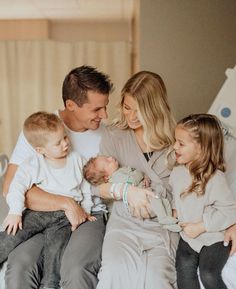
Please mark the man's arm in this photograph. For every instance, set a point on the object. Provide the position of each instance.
(39, 200)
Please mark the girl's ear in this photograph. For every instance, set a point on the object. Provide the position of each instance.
(71, 105)
(40, 150)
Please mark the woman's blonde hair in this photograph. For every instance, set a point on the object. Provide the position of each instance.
(205, 130)
(148, 89)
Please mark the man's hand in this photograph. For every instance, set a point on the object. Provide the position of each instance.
(91, 218)
(12, 223)
(138, 202)
(192, 230)
(75, 214)
(230, 235)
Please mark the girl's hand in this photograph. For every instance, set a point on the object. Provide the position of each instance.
(192, 230)
(12, 223)
(138, 202)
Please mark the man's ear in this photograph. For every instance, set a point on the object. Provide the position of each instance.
(40, 150)
(71, 105)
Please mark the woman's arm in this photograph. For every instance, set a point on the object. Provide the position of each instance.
(137, 199)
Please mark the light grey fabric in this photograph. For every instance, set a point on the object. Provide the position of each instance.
(79, 266)
(216, 208)
(161, 208)
(137, 254)
(82, 258)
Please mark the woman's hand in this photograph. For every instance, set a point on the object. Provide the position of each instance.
(230, 235)
(138, 202)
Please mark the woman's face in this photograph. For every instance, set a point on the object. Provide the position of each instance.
(130, 112)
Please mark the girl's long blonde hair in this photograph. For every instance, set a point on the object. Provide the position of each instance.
(205, 129)
(154, 113)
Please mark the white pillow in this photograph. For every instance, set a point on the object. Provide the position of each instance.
(230, 158)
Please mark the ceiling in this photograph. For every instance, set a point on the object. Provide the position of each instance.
(84, 10)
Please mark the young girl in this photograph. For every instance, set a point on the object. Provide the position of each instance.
(203, 201)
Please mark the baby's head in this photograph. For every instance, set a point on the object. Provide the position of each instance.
(98, 170)
(46, 133)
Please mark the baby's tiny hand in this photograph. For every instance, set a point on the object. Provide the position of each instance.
(12, 223)
(91, 218)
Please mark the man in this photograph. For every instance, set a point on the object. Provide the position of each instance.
(85, 94)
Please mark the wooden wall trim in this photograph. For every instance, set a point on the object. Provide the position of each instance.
(24, 29)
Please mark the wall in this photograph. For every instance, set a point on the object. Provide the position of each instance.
(190, 44)
(64, 30)
(36, 55)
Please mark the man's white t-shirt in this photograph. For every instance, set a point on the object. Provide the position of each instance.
(85, 143)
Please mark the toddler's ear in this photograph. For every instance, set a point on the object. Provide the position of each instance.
(40, 150)
(106, 178)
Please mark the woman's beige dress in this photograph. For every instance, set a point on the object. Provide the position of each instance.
(137, 254)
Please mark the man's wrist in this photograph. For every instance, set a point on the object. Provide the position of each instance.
(66, 203)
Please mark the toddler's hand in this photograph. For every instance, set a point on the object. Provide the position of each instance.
(192, 230)
(91, 218)
(12, 223)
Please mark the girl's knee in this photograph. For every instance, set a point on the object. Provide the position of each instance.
(209, 278)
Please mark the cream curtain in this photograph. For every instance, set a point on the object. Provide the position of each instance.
(32, 72)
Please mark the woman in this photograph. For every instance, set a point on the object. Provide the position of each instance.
(139, 253)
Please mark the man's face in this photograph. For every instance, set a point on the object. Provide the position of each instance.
(90, 114)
